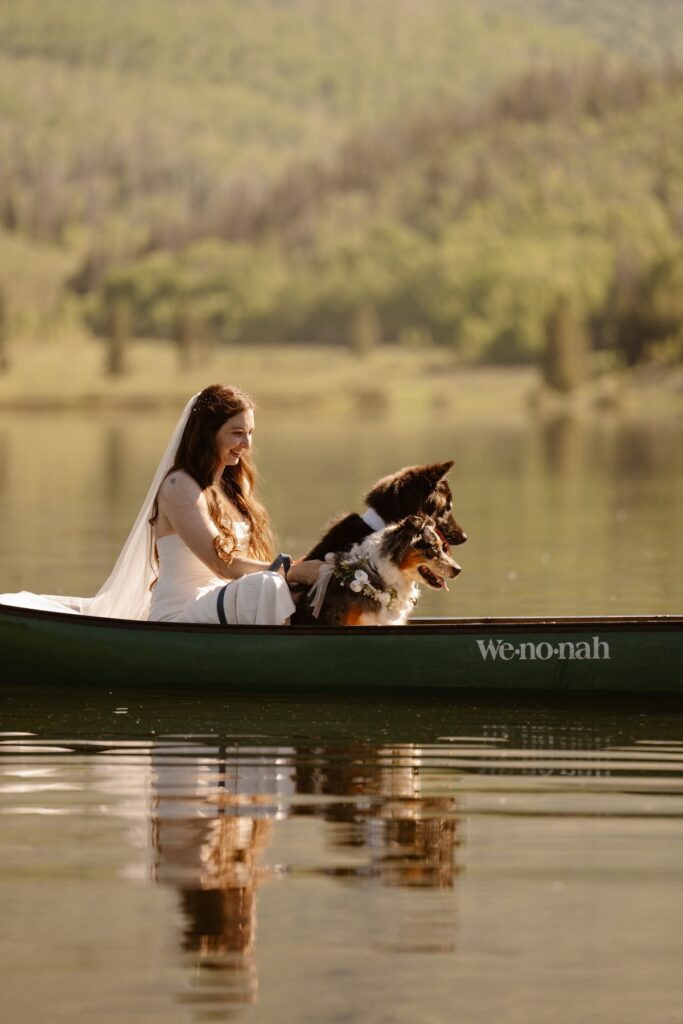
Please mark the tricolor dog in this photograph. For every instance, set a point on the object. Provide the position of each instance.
(377, 581)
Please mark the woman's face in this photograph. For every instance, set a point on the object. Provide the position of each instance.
(233, 439)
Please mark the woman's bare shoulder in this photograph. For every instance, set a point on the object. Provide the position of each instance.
(179, 488)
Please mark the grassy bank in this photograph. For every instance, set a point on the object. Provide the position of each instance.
(69, 374)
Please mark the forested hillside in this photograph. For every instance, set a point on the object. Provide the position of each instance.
(649, 32)
(345, 172)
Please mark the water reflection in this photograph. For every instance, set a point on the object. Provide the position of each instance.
(411, 838)
(212, 815)
(293, 853)
(114, 462)
(561, 439)
(213, 812)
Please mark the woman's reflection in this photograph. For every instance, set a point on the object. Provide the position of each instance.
(212, 819)
(213, 815)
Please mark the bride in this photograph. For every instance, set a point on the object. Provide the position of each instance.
(201, 549)
(209, 527)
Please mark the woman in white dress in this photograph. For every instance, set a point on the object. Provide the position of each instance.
(201, 547)
(213, 540)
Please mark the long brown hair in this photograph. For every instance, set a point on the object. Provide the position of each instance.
(197, 456)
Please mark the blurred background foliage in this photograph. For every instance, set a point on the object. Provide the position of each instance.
(502, 180)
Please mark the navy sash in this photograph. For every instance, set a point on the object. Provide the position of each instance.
(219, 605)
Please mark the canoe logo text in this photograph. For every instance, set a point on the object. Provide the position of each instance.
(566, 650)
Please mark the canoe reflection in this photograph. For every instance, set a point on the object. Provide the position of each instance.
(215, 814)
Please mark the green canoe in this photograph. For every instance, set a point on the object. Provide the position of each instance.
(614, 654)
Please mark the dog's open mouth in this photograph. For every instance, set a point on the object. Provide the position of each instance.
(434, 581)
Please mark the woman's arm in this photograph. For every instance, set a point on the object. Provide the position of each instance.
(304, 572)
(183, 505)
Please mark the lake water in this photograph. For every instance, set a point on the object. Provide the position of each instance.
(566, 517)
(206, 858)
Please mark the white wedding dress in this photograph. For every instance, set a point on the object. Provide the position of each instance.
(187, 590)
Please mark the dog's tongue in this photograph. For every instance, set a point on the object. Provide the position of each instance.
(445, 585)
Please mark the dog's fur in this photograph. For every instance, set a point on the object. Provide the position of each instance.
(414, 490)
(397, 558)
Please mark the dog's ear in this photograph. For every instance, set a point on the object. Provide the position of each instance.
(437, 471)
(418, 525)
(410, 528)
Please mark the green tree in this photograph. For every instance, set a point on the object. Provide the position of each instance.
(119, 321)
(644, 306)
(4, 332)
(366, 331)
(186, 335)
(566, 347)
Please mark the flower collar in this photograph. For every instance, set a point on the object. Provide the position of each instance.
(357, 579)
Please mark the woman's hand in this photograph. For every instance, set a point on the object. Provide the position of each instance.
(304, 572)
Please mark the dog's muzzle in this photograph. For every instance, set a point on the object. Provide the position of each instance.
(435, 581)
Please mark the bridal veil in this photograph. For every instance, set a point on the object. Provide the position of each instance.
(125, 594)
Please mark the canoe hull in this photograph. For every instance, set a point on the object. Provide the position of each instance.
(626, 655)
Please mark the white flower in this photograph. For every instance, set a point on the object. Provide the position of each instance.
(356, 586)
(384, 598)
(361, 576)
(329, 557)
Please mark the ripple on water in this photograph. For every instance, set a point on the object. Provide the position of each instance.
(203, 873)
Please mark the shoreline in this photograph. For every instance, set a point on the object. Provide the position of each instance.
(55, 378)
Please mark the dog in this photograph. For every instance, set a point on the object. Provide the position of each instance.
(413, 490)
(377, 581)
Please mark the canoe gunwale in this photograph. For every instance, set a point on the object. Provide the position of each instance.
(487, 625)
